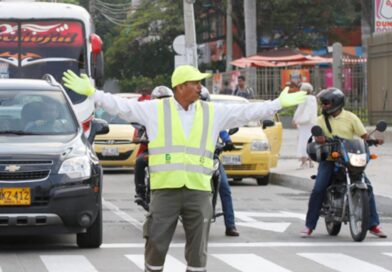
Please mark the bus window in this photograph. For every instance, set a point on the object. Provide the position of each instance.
(44, 47)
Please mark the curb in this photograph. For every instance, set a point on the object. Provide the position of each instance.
(304, 184)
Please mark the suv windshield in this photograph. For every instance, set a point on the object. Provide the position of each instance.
(25, 112)
(33, 48)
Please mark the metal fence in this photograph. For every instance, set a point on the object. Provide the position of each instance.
(267, 82)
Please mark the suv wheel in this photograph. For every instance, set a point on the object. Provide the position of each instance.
(263, 180)
(92, 238)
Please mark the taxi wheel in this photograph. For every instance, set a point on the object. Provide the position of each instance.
(263, 180)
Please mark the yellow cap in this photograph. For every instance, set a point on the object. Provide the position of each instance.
(184, 73)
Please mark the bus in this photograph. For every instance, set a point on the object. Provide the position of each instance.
(38, 38)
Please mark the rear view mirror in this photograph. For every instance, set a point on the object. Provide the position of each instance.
(381, 126)
(98, 126)
(268, 123)
(233, 130)
(317, 131)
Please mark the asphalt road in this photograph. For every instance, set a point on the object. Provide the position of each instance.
(269, 219)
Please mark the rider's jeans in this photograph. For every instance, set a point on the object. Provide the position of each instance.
(324, 174)
(140, 174)
(227, 202)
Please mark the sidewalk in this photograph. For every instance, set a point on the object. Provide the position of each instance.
(287, 173)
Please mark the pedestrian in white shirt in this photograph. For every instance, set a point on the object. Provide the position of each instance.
(304, 119)
(183, 132)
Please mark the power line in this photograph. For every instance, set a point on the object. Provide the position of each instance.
(116, 13)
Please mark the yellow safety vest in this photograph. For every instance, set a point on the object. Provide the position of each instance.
(175, 161)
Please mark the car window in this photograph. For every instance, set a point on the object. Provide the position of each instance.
(111, 119)
(35, 112)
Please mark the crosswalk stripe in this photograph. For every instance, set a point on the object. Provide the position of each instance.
(262, 244)
(388, 253)
(249, 262)
(342, 262)
(171, 263)
(66, 263)
(123, 215)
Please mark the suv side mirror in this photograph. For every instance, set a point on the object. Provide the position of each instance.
(98, 126)
(268, 123)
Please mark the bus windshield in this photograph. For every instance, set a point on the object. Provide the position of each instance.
(32, 48)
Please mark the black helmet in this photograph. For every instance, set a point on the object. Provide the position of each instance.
(318, 152)
(333, 96)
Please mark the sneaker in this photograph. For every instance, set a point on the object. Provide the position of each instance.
(232, 232)
(306, 232)
(376, 230)
(138, 198)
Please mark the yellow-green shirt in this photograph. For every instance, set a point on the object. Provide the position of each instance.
(346, 125)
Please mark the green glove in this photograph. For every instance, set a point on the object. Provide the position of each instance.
(291, 99)
(80, 85)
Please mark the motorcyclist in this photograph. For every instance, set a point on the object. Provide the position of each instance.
(335, 120)
(224, 188)
(141, 162)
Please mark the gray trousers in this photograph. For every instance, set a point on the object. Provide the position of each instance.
(166, 206)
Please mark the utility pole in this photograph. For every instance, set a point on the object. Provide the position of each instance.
(190, 33)
(250, 27)
(251, 40)
(337, 53)
(229, 35)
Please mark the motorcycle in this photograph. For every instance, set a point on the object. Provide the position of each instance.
(347, 197)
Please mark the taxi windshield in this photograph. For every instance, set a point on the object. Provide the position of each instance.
(111, 119)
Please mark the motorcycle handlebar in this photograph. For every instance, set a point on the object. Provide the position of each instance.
(371, 142)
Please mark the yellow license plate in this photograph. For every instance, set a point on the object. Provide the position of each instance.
(15, 196)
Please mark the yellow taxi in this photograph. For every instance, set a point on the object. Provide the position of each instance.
(257, 146)
(115, 150)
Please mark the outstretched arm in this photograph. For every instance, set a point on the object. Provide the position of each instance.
(237, 115)
(127, 109)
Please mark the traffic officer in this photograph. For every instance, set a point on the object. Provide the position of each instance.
(183, 131)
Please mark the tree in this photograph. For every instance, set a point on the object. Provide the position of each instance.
(305, 23)
(143, 48)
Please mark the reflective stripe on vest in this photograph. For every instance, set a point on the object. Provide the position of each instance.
(175, 161)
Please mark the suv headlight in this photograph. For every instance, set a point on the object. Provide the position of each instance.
(76, 167)
(259, 145)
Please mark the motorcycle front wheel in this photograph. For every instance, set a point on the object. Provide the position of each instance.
(359, 214)
(333, 228)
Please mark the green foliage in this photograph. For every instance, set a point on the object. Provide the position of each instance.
(143, 48)
(305, 23)
(137, 83)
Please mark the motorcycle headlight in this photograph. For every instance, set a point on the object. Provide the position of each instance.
(76, 168)
(259, 145)
(357, 160)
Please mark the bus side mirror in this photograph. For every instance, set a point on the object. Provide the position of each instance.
(97, 64)
(96, 44)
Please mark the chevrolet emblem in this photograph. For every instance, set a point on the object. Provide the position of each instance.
(12, 168)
